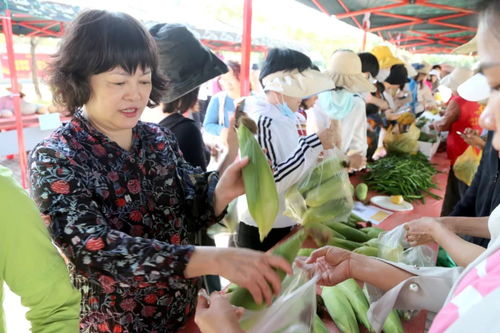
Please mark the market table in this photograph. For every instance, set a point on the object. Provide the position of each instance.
(432, 208)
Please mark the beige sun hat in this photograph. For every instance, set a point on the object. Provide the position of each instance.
(298, 84)
(344, 68)
(469, 47)
(458, 76)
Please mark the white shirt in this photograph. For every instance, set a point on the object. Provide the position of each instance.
(353, 126)
(292, 157)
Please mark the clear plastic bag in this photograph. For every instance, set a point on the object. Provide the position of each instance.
(291, 312)
(393, 247)
(325, 194)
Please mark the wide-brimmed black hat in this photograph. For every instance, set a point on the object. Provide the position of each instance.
(184, 60)
(398, 75)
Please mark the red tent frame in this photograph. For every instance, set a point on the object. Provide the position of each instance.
(39, 28)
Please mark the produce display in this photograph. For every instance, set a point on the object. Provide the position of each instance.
(409, 175)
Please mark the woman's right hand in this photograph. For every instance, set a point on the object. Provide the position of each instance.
(331, 263)
(253, 270)
(330, 137)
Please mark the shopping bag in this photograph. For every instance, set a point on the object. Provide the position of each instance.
(393, 247)
(398, 141)
(323, 195)
(465, 166)
(291, 312)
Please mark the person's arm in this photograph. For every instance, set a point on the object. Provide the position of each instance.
(289, 171)
(32, 266)
(429, 229)
(211, 122)
(335, 265)
(472, 226)
(92, 245)
(450, 116)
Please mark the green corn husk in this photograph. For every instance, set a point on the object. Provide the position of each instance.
(288, 250)
(260, 188)
(348, 232)
(372, 232)
(344, 244)
(318, 325)
(322, 173)
(393, 324)
(358, 301)
(335, 210)
(337, 187)
(369, 251)
(340, 309)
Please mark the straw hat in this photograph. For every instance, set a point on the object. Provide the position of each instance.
(469, 47)
(385, 57)
(298, 84)
(344, 68)
(458, 76)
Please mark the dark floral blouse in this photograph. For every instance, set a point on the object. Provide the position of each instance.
(125, 220)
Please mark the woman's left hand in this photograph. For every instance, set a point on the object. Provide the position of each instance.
(230, 185)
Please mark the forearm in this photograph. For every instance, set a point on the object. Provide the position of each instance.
(228, 159)
(471, 226)
(375, 272)
(461, 251)
(202, 262)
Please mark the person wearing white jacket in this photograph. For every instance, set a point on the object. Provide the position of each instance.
(345, 105)
(287, 78)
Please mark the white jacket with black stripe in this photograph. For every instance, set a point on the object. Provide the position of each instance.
(291, 156)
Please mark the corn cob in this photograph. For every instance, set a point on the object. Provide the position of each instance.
(331, 211)
(370, 251)
(358, 301)
(260, 188)
(372, 232)
(318, 325)
(288, 250)
(348, 232)
(344, 243)
(322, 173)
(392, 323)
(334, 188)
(340, 309)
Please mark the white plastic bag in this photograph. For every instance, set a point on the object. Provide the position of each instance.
(291, 312)
(393, 247)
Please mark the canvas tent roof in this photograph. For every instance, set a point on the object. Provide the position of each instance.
(424, 26)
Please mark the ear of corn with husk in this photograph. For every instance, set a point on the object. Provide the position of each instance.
(260, 188)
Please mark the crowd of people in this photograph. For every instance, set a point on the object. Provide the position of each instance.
(128, 203)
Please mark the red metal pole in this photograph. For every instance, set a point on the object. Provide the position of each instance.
(246, 48)
(7, 30)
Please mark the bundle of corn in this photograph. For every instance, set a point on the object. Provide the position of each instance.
(325, 195)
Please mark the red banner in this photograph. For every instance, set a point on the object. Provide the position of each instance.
(23, 65)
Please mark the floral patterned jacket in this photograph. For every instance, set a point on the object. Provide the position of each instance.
(125, 220)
